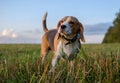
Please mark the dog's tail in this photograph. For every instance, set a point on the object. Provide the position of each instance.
(44, 22)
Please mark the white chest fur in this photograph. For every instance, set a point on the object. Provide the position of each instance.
(67, 49)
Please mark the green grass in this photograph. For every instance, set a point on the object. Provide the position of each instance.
(95, 63)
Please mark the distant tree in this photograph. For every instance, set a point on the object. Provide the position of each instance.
(113, 33)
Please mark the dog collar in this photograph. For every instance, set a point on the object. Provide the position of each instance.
(70, 40)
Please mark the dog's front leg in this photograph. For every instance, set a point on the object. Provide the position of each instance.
(55, 59)
(71, 64)
(70, 58)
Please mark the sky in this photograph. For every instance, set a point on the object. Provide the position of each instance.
(20, 20)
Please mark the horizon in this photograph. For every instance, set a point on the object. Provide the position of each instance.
(20, 21)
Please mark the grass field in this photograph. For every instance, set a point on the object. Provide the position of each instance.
(95, 63)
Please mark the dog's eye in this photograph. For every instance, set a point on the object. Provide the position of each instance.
(71, 22)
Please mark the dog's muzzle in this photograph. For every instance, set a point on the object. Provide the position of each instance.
(63, 26)
(65, 29)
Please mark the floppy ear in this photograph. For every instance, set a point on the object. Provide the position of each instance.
(81, 32)
(59, 23)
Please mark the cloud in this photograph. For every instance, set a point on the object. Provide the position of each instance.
(93, 34)
(97, 29)
(8, 33)
(94, 38)
(12, 36)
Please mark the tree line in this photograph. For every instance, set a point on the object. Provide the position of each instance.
(113, 33)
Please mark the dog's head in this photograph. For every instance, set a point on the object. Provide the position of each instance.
(70, 25)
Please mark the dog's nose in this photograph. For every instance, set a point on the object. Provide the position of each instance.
(63, 26)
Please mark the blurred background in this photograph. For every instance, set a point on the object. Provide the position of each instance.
(20, 20)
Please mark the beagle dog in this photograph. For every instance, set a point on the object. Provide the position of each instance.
(64, 40)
